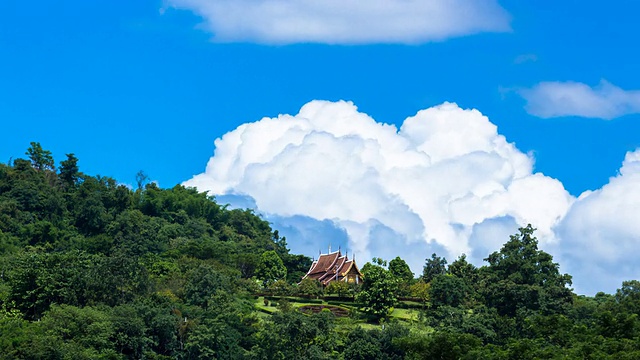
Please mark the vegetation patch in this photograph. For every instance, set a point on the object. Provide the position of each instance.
(314, 309)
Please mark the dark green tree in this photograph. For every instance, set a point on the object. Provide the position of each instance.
(297, 266)
(376, 344)
(80, 332)
(38, 279)
(402, 272)
(141, 179)
(292, 335)
(521, 279)
(202, 283)
(448, 290)
(433, 267)
(400, 269)
(462, 269)
(440, 345)
(69, 170)
(214, 339)
(628, 296)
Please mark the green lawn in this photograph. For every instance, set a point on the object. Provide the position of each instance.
(405, 314)
(409, 315)
(259, 304)
(368, 326)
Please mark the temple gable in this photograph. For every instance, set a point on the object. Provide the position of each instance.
(334, 266)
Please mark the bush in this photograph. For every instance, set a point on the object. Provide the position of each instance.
(309, 287)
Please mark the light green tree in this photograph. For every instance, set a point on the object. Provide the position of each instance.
(309, 286)
(340, 288)
(420, 290)
(270, 268)
(40, 159)
(378, 289)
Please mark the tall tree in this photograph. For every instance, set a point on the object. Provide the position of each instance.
(378, 289)
(461, 267)
(40, 159)
(448, 290)
(270, 268)
(629, 296)
(433, 267)
(141, 179)
(521, 279)
(69, 171)
(400, 269)
(465, 271)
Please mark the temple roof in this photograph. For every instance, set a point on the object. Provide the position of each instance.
(324, 263)
(325, 268)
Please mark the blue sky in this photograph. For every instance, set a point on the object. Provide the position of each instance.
(149, 85)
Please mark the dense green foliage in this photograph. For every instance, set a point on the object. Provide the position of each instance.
(91, 269)
(378, 293)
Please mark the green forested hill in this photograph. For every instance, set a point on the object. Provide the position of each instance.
(91, 269)
(96, 269)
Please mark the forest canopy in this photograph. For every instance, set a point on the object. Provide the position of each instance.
(93, 269)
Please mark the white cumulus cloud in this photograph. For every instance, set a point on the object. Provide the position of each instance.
(446, 179)
(346, 21)
(557, 99)
(601, 232)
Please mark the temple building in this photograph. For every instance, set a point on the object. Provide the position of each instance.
(334, 266)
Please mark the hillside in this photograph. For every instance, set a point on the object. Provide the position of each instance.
(92, 269)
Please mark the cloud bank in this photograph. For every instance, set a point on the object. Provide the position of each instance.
(445, 181)
(557, 99)
(346, 21)
(601, 232)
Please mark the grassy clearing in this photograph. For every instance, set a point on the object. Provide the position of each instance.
(404, 315)
(346, 324)
(368, 326)
(259, 304)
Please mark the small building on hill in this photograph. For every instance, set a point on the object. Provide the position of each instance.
(334, 266)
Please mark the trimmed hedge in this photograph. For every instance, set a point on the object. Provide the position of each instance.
(349, 305)
(338, 298)
(409, 298)
(294, 299)
(265, 311)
